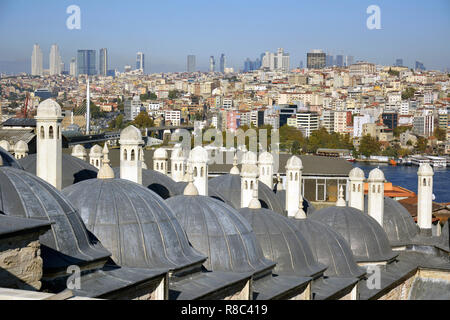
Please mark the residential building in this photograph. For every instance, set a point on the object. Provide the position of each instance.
(132, 108)
(316, 59)
(307, 122)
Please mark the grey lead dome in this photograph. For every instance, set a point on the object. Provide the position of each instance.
(8, 160)
(134, 223)
(367, 239)
(283, 243)
(221, 233)
(68, 242)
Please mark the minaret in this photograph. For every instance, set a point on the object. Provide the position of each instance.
(255, 203)
(356, 194)
(95, 156)
(79, 152)
(48, 143)
(235, 169)
(20, 149)
(130, 154)
(190, 189)
(265, 165)
(376, 195)
(341, 201)
(294, 169)
(249, 178)
(105, 172)
(425, 198)
(178, 164)
(198, 165)
(160, 160)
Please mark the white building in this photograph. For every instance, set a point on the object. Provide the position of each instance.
(307, 122)
(174, 116)
(37, 61)
(132, 108)
(55, 60)
(358, 122)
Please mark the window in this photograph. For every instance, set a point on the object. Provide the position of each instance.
(50, 132)
(195, 171)
(133, 156)
(246, 185)
(157, 165)
(201, 172)
(424, 182)
(359, 188)
(57, 133)
(42, 132)
(251, 185)
(296, 176)
(354, 188)
(176, 167)
(124, 154)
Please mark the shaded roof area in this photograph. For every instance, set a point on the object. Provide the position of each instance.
(15, 135)
(312, 165)
(74, 170)
(441, 212)
(11, 226)
(9, 160)
(20, 122)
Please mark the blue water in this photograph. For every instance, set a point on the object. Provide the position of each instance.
(406, 177)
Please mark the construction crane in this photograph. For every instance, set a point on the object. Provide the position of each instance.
(23, 113)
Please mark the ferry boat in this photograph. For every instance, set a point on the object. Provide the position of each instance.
(436, 162)
(418, 160)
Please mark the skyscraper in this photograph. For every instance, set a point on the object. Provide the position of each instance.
(140, 62)
(37, 61)
(348, 60)
(420, 66)
(223, 63)
(316, 59)
(399, 62)
(340, 60)
(282, 60)
(212, 64)
(55, 60)
(86, 62)
(73, 67)
(190, 63)
(103, 62)
(329, 60)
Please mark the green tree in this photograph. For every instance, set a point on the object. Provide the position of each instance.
(421, 144)
(408, 93)
(144, 97)
(152, 96)
(173, 94)
(400, 130)
(440, 134)
(295, 149)
(143, 120)
(369, 146)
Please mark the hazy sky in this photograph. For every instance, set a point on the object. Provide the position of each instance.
(167, 31)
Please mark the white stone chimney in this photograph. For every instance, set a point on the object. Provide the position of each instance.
(144, 165)
(356, 188)
(48, 143)
(294, 169)
(249, 182)
(79, 152)
(130, 154)
(20, 149)
(198, 165)
(178, 164)
(6, 145)
(265, 166)
(160, 160)
(95, 156)
(425, 198)
(376, 195)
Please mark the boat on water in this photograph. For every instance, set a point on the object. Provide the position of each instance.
(392, 162)
(436, 162)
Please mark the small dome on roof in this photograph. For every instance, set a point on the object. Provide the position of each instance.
(160, 154)
(329, 248)
(219, 232)
(398, 223)
(376, 175)
(249, 170)
(282, 243)
(96, 151)
(79, 150)
(131, 135)
(48, 108)
(5, 145)
(67, 242)
(177, 154)
(367, 239)
(228, 189)
(134, 223)
(21, 146)
(249, 158)
(294, 163)
(425, 170)
(266, 158)
(198, 154)
(356, 173)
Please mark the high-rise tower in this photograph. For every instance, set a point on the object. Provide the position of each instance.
(140, 63)
(55, 60)
(36, 61)
(103, 62)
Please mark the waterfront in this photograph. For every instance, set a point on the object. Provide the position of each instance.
(406, 177)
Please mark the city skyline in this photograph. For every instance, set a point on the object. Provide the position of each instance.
(333, 27)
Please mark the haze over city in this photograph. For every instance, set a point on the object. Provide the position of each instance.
(166, 32)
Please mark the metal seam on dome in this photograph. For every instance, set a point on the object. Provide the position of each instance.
(206, 230)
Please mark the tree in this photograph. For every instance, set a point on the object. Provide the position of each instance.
(421, 144)
(440, 134)
(152, 96)
(143, 120)
(408, 93)
(369, 146)
(173, 94)
(144, 97)
(295, 149)
(393, 72)
(400, 130)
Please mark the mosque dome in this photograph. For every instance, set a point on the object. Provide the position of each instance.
(265, 158)
(397, 222)
(376, 175)
(160, 154)
(130, 134)
(367, 239)
(68, 242)
(8, 160)
(228, 189)
(48, 108)
(219, 232)
(356, 173)
(425, 170)
(329, 248)
(282, 243)
(74, 170)
(294, 163)
(133, 223)
(96, 151)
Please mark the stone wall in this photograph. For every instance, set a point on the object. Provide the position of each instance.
(20, 262)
